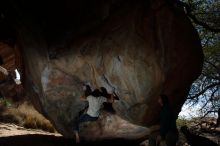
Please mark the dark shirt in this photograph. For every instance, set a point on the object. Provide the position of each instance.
(167, 121)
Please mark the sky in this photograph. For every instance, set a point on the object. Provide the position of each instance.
(189, 112)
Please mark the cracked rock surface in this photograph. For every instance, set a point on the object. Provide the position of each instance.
(137, 49)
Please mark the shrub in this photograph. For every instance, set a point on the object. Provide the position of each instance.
(182, 122)
(25, 115)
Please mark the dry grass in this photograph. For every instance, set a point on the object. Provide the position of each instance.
(25, 115)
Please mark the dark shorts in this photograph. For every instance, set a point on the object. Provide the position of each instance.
(84, 118)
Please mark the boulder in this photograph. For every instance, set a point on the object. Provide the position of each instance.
(138, 49)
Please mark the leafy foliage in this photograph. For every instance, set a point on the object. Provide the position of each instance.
(206, 89)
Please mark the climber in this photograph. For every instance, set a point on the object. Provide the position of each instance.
(108, 105)
(95, 100)
(168, 129)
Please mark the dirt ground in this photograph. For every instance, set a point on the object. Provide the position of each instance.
(12, 135)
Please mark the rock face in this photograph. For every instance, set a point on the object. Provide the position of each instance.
(139, 49)
(11, 58)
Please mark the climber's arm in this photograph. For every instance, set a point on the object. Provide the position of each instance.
(111, 99)
(83, 98)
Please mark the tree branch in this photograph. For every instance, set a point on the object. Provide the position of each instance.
(195, 20)
(208, 112)
(217, 69)
(209, 100)
(204, 90)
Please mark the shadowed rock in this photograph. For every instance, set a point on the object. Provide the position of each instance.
(11, 60)
(50, 140)
(196, 140)
(137, 49)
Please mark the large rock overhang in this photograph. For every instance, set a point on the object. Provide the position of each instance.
(139, 49)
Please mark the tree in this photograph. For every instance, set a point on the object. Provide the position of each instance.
(205, 91)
